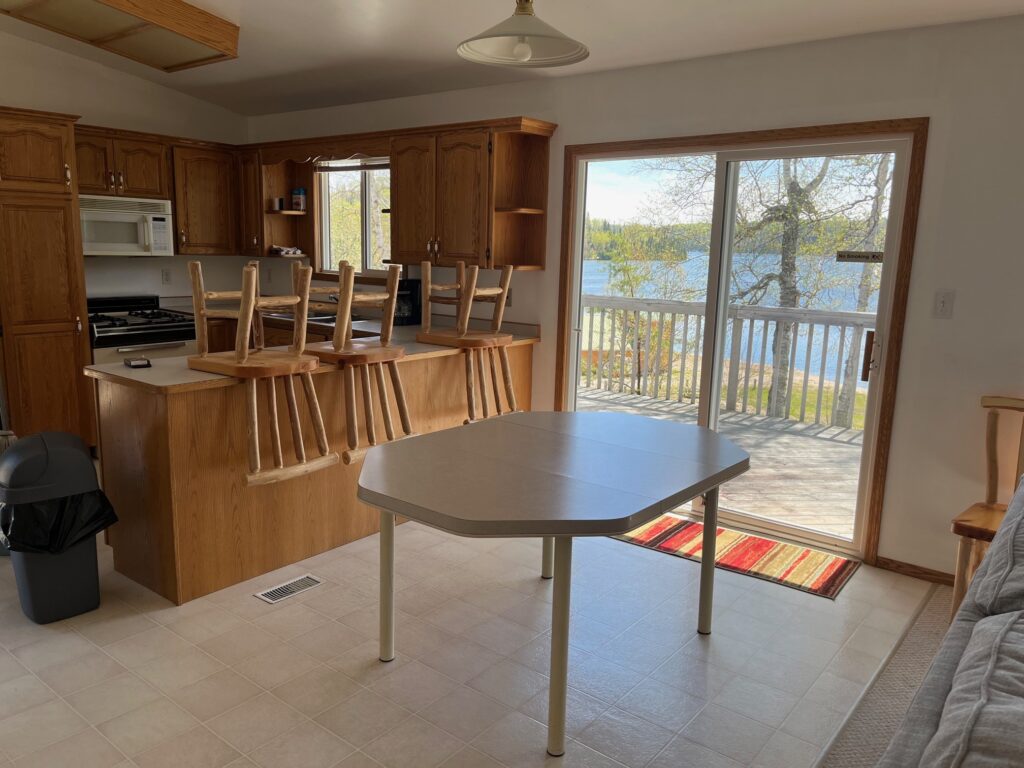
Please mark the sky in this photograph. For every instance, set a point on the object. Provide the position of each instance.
(616, 192)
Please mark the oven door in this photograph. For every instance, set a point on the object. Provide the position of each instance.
(103, 355)
(115, 233)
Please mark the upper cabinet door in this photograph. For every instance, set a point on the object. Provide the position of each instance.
(94, 157)
(205, 203)
(36, 156)
(141, 169)
(463, 197)
(413, 189)
(250, 173)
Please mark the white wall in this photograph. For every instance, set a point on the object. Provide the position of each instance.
(965, 77)
(34, 76)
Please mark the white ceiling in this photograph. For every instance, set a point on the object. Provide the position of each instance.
(315, 53)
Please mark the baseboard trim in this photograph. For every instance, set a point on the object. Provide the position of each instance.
(917, 571)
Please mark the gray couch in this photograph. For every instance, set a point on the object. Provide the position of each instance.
(969, 711)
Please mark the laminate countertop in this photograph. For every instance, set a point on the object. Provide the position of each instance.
(172, 374)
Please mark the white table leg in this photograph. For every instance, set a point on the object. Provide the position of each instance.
(707, 562)
(547, 558)
(559, 645)
(387, 586)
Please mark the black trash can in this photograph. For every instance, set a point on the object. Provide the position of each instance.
(51, 509)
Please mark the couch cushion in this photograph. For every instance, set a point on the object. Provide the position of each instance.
(998, 586)
(981, 721)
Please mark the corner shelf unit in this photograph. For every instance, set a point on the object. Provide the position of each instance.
(520, 195)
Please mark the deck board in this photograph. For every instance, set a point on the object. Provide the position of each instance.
(800, 474)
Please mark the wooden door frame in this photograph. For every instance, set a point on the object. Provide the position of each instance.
(915, 128)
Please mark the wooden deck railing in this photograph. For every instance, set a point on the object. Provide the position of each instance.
(652, 348)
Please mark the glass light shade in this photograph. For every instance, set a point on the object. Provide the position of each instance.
(523, 41)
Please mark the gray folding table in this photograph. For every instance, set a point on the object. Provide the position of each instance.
(550, 475)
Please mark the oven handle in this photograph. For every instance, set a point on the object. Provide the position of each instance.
(158, 345)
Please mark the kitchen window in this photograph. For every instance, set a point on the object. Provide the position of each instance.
(355, 200)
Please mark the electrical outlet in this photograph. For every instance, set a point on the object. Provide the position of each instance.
(270, 275)
(942, 308)
(165, 276)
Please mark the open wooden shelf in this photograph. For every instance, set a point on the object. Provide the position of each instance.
(288, 213)
(526, 211)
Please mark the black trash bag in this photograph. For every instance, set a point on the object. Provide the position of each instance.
(54, 525)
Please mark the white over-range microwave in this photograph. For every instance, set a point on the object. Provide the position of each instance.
(126, 226)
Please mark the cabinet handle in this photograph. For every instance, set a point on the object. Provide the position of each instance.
(67, 175)
(113, 186)
(254, 240)
(78, 324)
(120, 180)
(184, 239)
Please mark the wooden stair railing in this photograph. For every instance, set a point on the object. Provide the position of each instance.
(365, 356)
(478, 346)
(252, 365)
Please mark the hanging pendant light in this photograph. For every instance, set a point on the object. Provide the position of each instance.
(523, 41)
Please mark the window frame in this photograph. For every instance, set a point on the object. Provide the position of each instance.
(364, 273)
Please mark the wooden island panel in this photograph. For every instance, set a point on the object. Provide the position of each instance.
(174, 466)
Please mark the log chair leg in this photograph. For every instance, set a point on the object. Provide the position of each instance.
(483, 382)
(275, 427)
(494, 381)
(293, 416)
(425, 298)
(470, 386)
(960, 576)
(403, 409)
(385, 403)
(253, 426)
(371, 429)
(315, 415)
(506, 374)
(351, 417)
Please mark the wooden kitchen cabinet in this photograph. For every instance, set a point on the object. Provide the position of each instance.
(463, 195)
(94, 155)
(44, 315)
(250, 182)
(205, 188)
(477, 195)
(114, 164)
(413, 191)
(142, 169)
(36, 153)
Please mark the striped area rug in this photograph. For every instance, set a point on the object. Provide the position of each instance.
(792, 565)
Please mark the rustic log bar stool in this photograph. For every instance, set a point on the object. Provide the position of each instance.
(365, 355)
(476, 345)
(251, 365)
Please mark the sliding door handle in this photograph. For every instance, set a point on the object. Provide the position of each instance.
(868, 363)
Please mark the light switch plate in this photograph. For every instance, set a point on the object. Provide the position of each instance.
(165, 276)
(942, 307)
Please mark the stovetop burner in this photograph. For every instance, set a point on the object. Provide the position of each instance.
(107, 321)
(157, 315)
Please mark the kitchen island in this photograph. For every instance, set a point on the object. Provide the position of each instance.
(173, 454)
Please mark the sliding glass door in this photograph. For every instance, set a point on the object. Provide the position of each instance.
(748, 290)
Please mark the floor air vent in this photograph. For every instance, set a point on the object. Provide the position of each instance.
(289, 588)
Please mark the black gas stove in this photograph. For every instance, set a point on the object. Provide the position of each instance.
(117, 321)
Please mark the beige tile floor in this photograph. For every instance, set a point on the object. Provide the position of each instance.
(230, 681)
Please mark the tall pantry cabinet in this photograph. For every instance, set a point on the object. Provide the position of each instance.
(42, 284)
